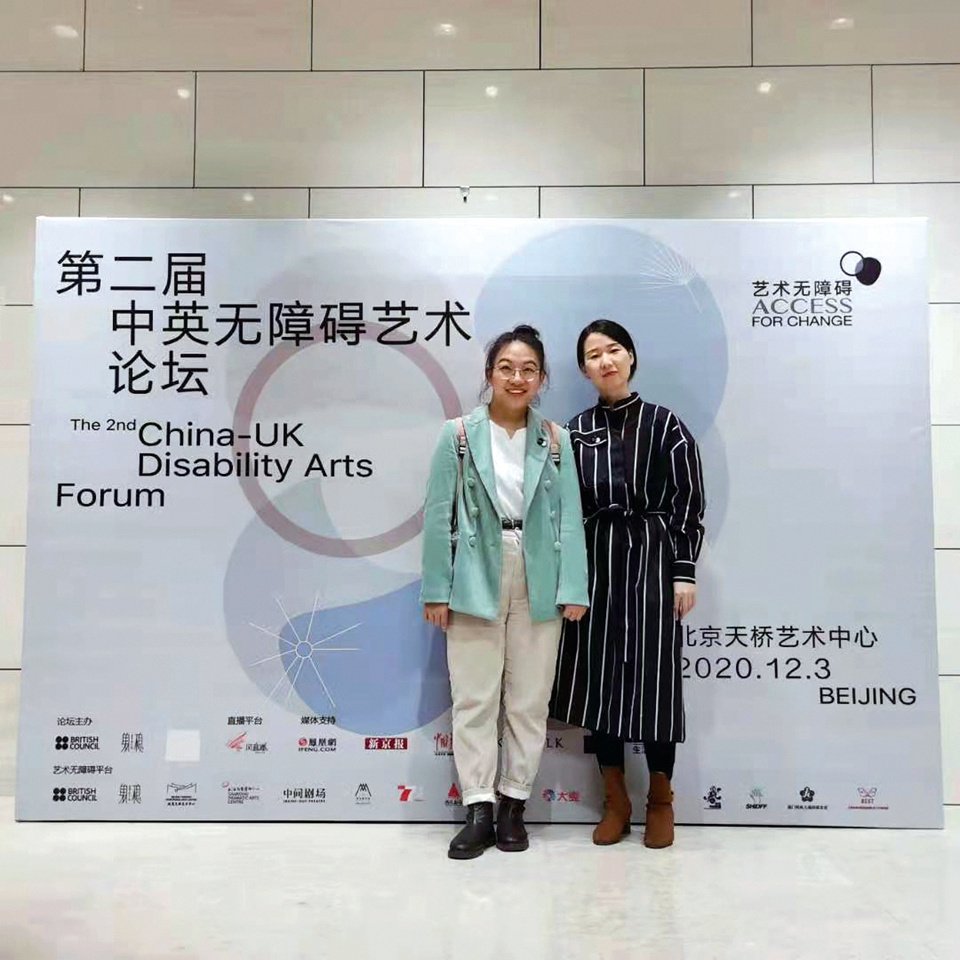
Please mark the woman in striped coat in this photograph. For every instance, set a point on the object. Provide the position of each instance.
(619, 668)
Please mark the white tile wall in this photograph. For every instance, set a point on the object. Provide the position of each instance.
(205, 35)
(855, 31)
(950, 727)
(302, 129)
(19, 209)
(97, 129)
(945, 363)
(9, 708)
(424, 202)
(768, 125)
(14, 442)
(534, 127)
(917, 122)
(211, 109)
(945, 442)
(655, 33)
(11, 605)
(432, 34)
(16, 343)
(939, 202)
(214, 202)
(716, 202)
(765, 125)
(948, 610)
(45, 35)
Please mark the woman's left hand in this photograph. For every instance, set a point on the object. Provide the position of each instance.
(684, 598)
(573, 612)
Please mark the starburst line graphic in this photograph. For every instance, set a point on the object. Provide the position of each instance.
(300, 657)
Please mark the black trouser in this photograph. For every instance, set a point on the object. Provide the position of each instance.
(661, 756)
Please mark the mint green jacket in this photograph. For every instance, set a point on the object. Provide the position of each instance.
(554, 548)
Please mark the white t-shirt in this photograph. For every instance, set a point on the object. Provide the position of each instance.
(508, 459)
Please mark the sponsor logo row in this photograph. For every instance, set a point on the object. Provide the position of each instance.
(243, 743)
(247, 742)
(186, 794)
(867, 798)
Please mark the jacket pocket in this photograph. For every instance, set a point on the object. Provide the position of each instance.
(589, 438)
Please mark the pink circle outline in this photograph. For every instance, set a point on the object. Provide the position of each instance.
(264, 506)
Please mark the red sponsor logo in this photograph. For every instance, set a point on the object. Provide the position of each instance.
(454, 797)
(561, 796)
(385, 743)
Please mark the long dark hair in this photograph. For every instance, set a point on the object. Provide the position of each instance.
(523, 333)
(613, 330)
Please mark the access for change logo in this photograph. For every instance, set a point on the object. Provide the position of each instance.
(810, 301)
(865, 269)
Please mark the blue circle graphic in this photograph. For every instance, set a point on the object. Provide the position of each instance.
(561, 281)
(307, 632)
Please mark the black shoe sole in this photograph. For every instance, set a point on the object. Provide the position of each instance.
(469, 854)
(513, 846)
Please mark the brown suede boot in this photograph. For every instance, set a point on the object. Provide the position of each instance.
(617, 809)
(659, 829)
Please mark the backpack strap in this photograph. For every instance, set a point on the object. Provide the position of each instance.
(554, 442)
(461, 438)
(458, 491)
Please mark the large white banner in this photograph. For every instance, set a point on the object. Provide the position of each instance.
(231, 432)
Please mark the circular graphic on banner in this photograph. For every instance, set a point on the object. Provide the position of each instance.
(267, 509)
(341, 637)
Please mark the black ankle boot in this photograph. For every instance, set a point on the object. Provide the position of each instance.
(511, 833)
(476, 836)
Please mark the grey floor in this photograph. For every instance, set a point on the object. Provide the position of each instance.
(387, 891)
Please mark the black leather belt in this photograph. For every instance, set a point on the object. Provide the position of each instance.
(511, 524)
(616, 510)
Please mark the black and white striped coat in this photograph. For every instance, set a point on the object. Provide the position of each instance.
(641, 482)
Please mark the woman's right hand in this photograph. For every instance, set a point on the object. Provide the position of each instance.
(438, 614)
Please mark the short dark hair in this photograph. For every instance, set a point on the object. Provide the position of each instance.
(613, 330)
(525, 334)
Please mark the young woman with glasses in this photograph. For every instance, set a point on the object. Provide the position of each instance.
(503, 491)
